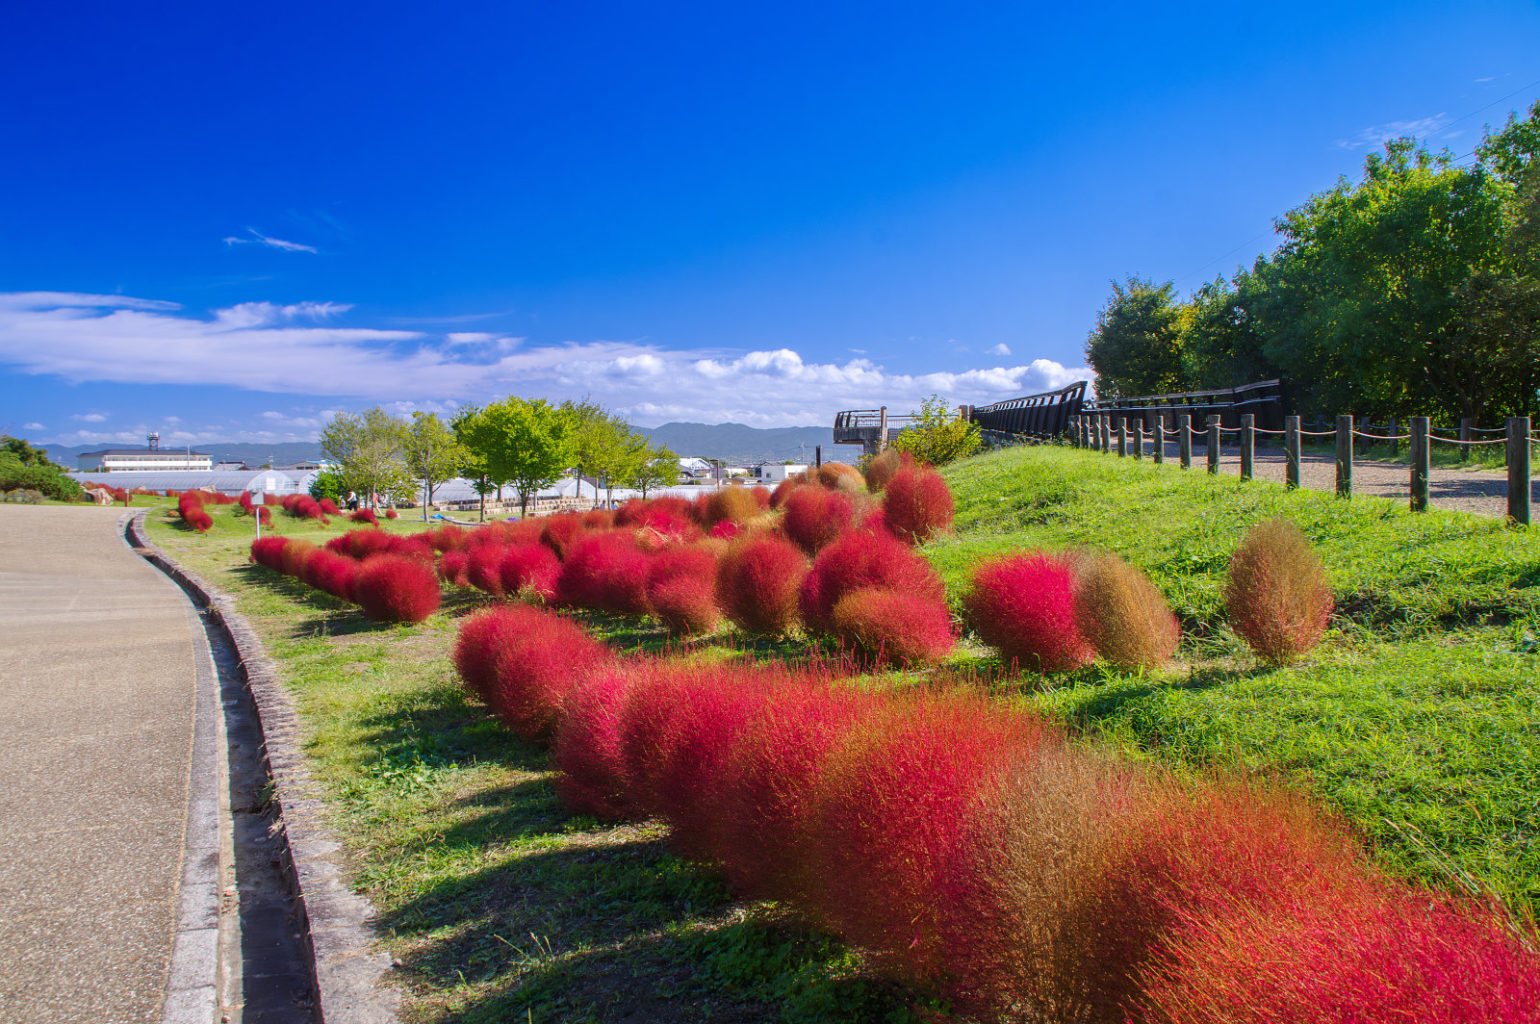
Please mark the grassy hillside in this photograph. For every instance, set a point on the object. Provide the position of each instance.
(1418, 716)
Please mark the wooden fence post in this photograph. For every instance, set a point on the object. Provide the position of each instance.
(1518, 469)
(1138, 440)
(1122, 438)
(1291, 452)
(1395, 443)
(1159, 451)
(1106, 419)
(1465, 430)
(1213, 444)
(1420, 463)
(1248, 445)
(1184, 439)
(1344, 456)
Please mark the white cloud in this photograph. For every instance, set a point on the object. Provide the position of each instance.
(1422, 128)
(258, 238)
(263, 347)
(33, 426)
(1001, 349)
(90, 417)
(468, 337)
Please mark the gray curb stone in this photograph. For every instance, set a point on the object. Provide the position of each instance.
(350, 967)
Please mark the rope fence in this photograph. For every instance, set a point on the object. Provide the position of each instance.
(1096, 431)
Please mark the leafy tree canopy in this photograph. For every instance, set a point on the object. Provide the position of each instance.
(936, 434)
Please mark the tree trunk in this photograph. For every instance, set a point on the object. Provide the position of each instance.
(481, 492)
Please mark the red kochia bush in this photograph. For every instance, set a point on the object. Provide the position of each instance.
(607, 572)
(199, 519)
(681, 588)
(391, 513)
(558, 532)
(330, 507)
(363, 515)
(881, 469)
(860, 560)
(332, 573)
(484, 567)
(395, 588)
(896, 812)
(1277, 597)
(522, 660)
(1024, 607)
(917, 505)
(453, 567)
(814, 516)
(785, 489)
(894, 628)
(678, 726)
(529, 570)
(268, 551)
(763, 801)
(586, 752)
(758, 578)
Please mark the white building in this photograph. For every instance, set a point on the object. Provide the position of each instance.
(117, 460)
(775, 472)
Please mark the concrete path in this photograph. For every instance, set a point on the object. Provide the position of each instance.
(97, 699)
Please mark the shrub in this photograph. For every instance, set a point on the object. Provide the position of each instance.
(1123, 615)
(199, 519)
(454, 567)
(670, 518)
(607, 572)
(295, 556)
(586, 751)
(730, 505)
(761, 497)
(522, 660)
(882, 467)
(391, 513)
(894, 628)
(917, 505)
(395, 588)
(840, 476)
(558, 532)
(681, 589)
(757, 581)
(484, 568)
(763, 800)
(677, 728)
(447, 538)
(330, 507)
(1277, 597)
(332, 573)
(1024, 607)
(363, 515)
(814, 516)
(529, 570)
(598, 519)
(860, 560)
(785, 488)
(268, 552)
(895, 813)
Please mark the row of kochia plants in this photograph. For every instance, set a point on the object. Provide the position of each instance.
(975, 851)
(190, 508)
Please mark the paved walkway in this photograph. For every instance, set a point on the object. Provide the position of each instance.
(97, 694)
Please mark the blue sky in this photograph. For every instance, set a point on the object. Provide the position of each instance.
(226, 223)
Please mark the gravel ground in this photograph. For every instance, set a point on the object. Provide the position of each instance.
(1482, 491)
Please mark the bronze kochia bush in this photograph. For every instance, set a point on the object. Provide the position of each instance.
(1277, 597)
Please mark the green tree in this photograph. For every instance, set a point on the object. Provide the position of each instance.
(433, 453)
(23, 467)
(369, 450)
(327, 484)
(1222, 339)
(660, 468)
(523, 442)
(936, 435)
(1135, 347)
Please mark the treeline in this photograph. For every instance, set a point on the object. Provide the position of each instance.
(1415, 291)
(525, 444)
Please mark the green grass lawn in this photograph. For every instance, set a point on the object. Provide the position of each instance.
(1417, 719)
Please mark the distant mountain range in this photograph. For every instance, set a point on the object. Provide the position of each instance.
(732, 442)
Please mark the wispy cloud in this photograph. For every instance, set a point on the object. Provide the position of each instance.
(1376, 135)
(89, 417)
(33, 426)
(258, 238)
(264, 347)
(1488, 78)
(1001, 349)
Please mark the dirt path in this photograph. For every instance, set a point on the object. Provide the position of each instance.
(1481, 491)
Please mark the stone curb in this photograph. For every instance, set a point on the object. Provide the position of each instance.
(350, 968)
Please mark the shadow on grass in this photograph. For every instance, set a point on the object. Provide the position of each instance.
(1117, 699)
